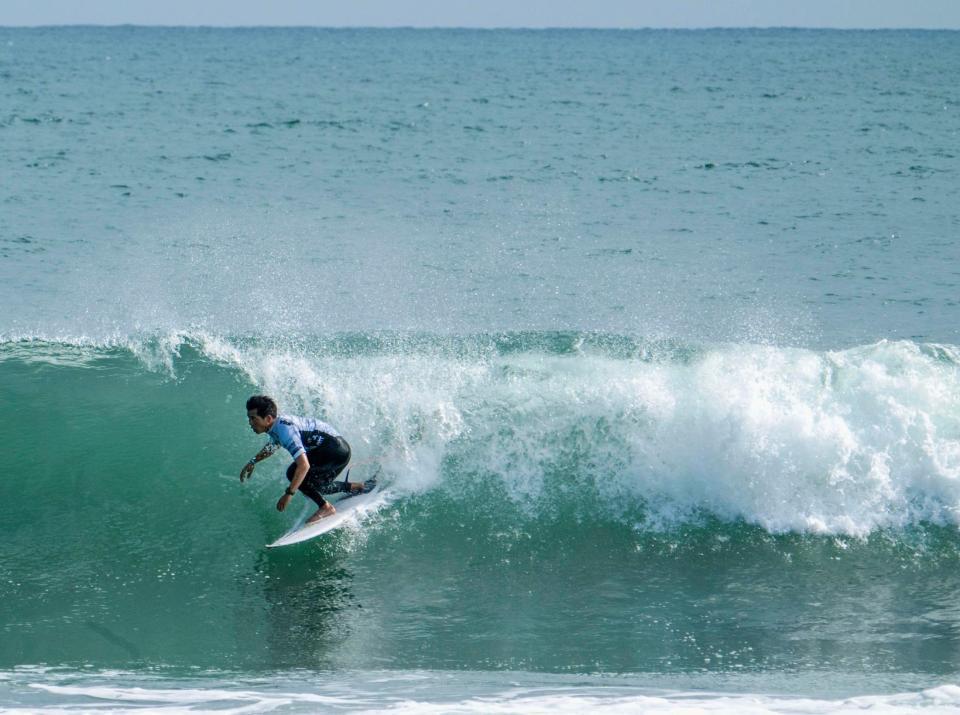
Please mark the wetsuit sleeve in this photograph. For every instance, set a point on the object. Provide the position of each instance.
(288, 437)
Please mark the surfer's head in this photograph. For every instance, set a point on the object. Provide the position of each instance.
(261, 413)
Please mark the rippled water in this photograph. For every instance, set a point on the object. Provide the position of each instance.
(652, 336)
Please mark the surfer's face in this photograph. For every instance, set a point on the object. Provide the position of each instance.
(259, 424)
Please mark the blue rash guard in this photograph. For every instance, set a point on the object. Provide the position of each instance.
(298, 434)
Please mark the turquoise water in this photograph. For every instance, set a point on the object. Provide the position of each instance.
(652, 335)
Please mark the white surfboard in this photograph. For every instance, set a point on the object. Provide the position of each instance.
(348, 509)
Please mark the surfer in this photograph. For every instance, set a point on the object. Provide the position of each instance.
(319, 454)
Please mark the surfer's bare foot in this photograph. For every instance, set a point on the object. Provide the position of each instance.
(321, 513)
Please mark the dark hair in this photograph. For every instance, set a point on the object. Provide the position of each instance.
(263, 405)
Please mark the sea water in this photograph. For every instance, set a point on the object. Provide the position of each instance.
(653, 336)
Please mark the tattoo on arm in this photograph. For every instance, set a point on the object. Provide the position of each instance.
(267, 450)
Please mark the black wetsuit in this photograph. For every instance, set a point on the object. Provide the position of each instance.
(326, 462)
(327, 451)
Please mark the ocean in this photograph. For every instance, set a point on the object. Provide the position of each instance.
(653, 338)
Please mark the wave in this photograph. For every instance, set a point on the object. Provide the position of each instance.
(651, 435)
(38, 689)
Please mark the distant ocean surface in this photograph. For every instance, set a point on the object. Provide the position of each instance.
(654, 337)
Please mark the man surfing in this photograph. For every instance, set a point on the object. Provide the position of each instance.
(319, 454)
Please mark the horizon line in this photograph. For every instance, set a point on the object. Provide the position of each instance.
(533, 28)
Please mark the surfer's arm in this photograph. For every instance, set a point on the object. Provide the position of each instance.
(267, 450)
(303, 466)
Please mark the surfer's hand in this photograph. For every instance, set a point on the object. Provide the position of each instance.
(246, 471)
(282, 504)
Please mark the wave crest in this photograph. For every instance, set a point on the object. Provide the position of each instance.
(792, 440)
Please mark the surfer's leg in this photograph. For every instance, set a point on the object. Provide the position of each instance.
(327, 510)
(309, 490)
(325, 507)
(337, 464)
(326, 462)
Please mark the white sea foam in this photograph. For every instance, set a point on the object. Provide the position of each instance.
(842, 442)
(400, 697)
(945, 699)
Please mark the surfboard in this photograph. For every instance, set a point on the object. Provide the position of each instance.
(348, 509)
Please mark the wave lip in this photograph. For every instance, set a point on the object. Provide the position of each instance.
(792, 440)
(843, 442)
